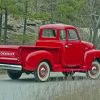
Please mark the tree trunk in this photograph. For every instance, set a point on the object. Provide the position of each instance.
(51, 12)
(25, 22)
(5, 29)
(91, 35)
(0, 26)
(36, 7)
(95, 35)
(98, 41)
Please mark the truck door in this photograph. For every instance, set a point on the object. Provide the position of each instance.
(74, 49)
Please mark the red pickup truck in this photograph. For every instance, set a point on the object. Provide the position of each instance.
(58, 49)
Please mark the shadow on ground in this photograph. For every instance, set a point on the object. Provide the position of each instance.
(51, 79)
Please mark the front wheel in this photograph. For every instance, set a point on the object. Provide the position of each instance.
(43, 71)
(94, 73)
(14, 74)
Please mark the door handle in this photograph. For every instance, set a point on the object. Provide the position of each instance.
(69, 44)
(66, 46)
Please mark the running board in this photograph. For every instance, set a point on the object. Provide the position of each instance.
(11, 67)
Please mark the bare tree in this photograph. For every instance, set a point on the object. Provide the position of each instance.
(91, 18)
(25, 20)
(0, 25)
(1, 14)
(5, 30)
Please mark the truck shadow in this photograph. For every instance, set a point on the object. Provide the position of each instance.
(51, 79)
(67, 78)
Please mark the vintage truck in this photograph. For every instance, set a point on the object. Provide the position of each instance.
(58, 49)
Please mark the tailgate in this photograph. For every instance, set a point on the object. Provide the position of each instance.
(9, 54)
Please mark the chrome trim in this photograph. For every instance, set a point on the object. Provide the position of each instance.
(11, 67)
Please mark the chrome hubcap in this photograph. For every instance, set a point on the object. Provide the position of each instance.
(43, 71)
(94, 70)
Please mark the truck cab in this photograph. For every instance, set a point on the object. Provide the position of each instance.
(68, 39)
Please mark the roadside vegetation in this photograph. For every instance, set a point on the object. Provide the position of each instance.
(81, 13)
(15, 39)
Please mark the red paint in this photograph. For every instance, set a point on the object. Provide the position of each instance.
(63, 55)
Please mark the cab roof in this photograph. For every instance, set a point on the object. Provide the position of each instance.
(57, 26)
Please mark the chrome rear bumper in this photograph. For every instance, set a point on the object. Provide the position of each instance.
(11, 67)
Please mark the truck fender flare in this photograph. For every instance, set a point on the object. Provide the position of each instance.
(90, 56)
(34, 58)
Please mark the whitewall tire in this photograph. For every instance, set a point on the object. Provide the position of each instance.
(43, 72)
(94, 73)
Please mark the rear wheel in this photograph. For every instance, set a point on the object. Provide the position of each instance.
(43, 71)
(94, 73)
(14, 74)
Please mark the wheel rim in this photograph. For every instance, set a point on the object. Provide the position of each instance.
(94, 70)
(43, 71)
(94, 73)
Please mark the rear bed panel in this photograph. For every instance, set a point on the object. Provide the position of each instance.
(9, 54)
(27, 50)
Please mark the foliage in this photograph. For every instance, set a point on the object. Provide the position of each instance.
(70, 9)
(65, 11)
(41, 16)
(67, 8)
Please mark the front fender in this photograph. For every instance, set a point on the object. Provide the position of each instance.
(90, 56)
(34, 58)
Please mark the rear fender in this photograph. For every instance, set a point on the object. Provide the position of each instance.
(90, 56)
(34, 58)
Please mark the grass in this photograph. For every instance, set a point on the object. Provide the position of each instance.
(85, 92)
(68, 90)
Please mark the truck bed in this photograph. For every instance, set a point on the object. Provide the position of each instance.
(17, 54)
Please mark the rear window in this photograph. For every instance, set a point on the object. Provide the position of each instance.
(72, 35)
(62, 35)
(49, 33)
